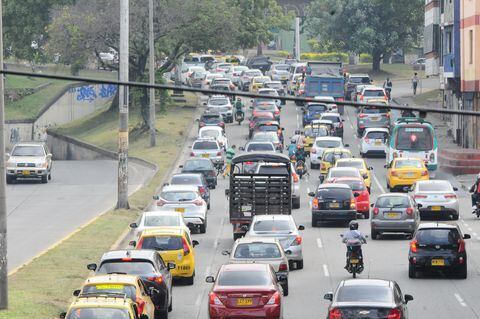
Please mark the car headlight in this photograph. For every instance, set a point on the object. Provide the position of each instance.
(41, 165)
(11, 163)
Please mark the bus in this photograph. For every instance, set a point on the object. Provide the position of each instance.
(413, 137)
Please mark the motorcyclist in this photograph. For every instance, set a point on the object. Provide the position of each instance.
(387, 85)
(296, 136)
(292, 147)
(300, 153)
(475, 190)
(408, 113)
(239, 106)
(354, 239)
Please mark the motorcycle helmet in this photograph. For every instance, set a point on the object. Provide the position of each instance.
(293, 141)
(353, 225)
(297, 132)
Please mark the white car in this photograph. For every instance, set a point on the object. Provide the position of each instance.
(374, 141)
(234, 76)
(436, 199)
(259, 147)
(271, 92)
(215, 132)
(29, 160)
(208, 79)
(208, 148)
(322, 143)
(154, 219)
(222, 105)
(184, 199)
(372, 93)
(279, 72)
(188, 70)
(223, 68)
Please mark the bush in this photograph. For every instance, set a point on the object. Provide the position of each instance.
(283, 54)
(327, 56)
(365, 58)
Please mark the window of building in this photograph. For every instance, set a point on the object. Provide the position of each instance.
(470, 38)
(449, 42)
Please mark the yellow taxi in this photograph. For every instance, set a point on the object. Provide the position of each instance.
(311, 132)
(107, 305)
(330, 156)
(402, 172)
(175, 245)
(362, 167)
(257, 83)
(118, 284)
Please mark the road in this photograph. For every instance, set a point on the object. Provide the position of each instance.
(436, 296)
(39, 215)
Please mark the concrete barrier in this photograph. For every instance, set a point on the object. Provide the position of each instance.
(459, 162)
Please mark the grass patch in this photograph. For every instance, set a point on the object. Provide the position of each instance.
(393, 71)
(44, 288)
(20, 82)
(427, 97)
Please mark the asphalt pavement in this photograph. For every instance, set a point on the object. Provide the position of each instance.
(40, 215)
(436, 296)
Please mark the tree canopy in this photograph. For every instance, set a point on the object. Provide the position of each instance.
(378, 27)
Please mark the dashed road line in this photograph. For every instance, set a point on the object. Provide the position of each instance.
(198, 301)
(460, 300)
(319, 243)
(325, 271)
(469, 228)
(378, 183)
(215, 243)
(208, 270)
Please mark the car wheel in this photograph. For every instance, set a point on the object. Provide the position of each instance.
(170, 306)
(455, 216)
(50, 176)
(213, 186)
(203, 227)
(285, 289)
(189, 280)
(296, 202)
(366, 215)
(299, 264)
(10, 179)
(208, 205)
(44, 179)
(411, 272)
(462, 271)
(369, 189)
(160, 314)
(374, 234)
(314, 222)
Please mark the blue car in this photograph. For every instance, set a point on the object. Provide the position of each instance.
(313, 111)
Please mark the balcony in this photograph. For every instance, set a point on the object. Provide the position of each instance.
(449, 65)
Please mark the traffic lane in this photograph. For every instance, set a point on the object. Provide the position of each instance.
(39, 215)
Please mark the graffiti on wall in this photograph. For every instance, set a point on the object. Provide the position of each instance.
(88, 93)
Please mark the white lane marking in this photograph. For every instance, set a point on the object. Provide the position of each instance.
(198, 300)
(310, 203)
(469, 228)
(378, 183)
(208, 270)
(308, 189)
(319, 243)
(298, 122)
(466, 225)
(325, 270)
(215, 243)
(460, 300)
(474, 234)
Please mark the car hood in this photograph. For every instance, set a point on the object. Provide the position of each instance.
(27, 159)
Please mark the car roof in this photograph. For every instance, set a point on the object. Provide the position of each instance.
(344, 169)
(366, 282)
(437, 225)
(273, 82)
(29, 144)
(330, 114)
(351, 160)
(179, 187)
(377, 129)
(328, 138)
(163, 230)
(272, 217)
(161, 213)
(251, 267)
(191, 175)
(131, 253)
(249, 240)
(333, 185)
(112, 278)
(338, 180)
(408, 159)
(435, 181)
(358, 75)
(102, 299)
(337, 150)
(397, 194)
(198, 159)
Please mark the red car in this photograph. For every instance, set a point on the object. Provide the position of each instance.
(358, 186)
(245, 291)
(259, 116)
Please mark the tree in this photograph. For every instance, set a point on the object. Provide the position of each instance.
(378, 27)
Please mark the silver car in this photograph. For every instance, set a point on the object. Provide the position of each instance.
(394, 213)
(221, 104)
(186, 200)
(154, 219)
(29, 160)
(372, 117)
(283, 228)
(208, 148)
(436, 198)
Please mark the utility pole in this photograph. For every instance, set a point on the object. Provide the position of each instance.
(153, 137)
(3, 205)
(297, 38)
(122, 201)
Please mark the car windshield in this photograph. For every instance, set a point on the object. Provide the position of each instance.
(243, 278)
(178, 196)
(358, 80)
(131, 267)
(97, 313)
(316, 132)
(354, 185)
(408, 163)
(274, 85)
(435, 187)
(210, 133)
(268, 92)
(331, 157)
(162, 243)
(356, 164)
(377, 135)
(260, 80)
(392, 201)
(317, 108)
(266, 137)
(374, 110)
(333, 118)
(218, 102)
(257, 250)
(185, 180)
(28, 151)
(205, 145)
(343, 173)
(260, 147)
(253, 73)
(161, 220)
(209, 119)
(419, 138)
(193, 165)
(376, 93)
(437, 236)
(104, 288)
(273, 225)
(334, 193)
(328, 143)
(364, 293)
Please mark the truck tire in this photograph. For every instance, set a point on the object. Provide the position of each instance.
(314, 222)
(296, 202)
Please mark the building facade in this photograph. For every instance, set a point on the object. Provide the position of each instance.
(431, 37)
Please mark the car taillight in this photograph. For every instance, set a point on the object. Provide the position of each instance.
(198, 202)
(340, 125)
(395, 313)
(283, 267)
(335, 313)
(295, 177)
(366, 140)
(192, 154)
(161, 202)
(297, 241)
(376, 211)
(222, 124)
(450, 196)
(361, 115)
(140, 306)
(315, 203)
(213, 299)
(275, 299)
(219, 153)
(139, 246)
(277, 112)
(352, 204)
(340, 99)
(424, 173)
(158, 279)
(313, 151)
(419, 196)
(394, 173)
(461, 246)
(413, 246)
(186, 249)
(201, 189)
(361, 97)
(409, 211)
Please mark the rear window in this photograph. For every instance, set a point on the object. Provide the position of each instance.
(373, 93)
(437, 236)
(129, 290)
(334, 193)
(273, 170)
(435, 187)
(363, 293)
(332, 157)
(408, 163)
(205, 145)
(359, 80)
(392, 202)
(272, 225)
(266, 138)
(334, 119)
(377, 135)
(257, 250)
(180, 180)
(198, 165)
(282, 67)
(374, 110)
(316, 132)
(355, 164)
(328, 143)
(260, 147)
(253, 73)
(218, 102)
(268, 128)
(163, 243)
(317, 108)
(343, 173)
(166, 220)
(211, 118)
(133, 267)
(355, 185)
(418, 138)
(243, 278)
(178, 196)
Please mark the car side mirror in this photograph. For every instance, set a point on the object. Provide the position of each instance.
(133, 225)
(283, 129)
(288, 252)
(76, 293)
(419, 205)
(241, 148)
(328, 296)
(92, 267)
(225, 253)
(244, 228)
(197, 120)
(455, 189)
(251, 100)
(301, 227)
(156, 197)
(171, 266)
(49, 155)
(210, 279)
(180, 166)
(372, 204)
(282, 278)
(343, 120)
(467, 236)
(385, 166)
(311, 194)
(62, 315)
(365, 176)
(356, 194)
(195, 243)
(408, 298)
(321, 178)
(347, 145)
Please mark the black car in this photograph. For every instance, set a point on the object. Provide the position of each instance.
(333, 202)
(260, 62)
(211, 119)
(149, 266)
(204, 166)
(368, 298)
(437, 246)
(195, 179)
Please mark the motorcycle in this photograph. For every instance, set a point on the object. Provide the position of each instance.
(300, 168)
(239, 117)
(354, 257)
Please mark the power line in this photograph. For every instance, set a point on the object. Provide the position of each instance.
(237, 93)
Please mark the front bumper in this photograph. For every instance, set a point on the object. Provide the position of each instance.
(26, 172)
(424, 261)
(334, 215)
(394, 226)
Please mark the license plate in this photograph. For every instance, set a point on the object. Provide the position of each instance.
(410, 174)
(25, 172)
(392, 215)
(354, 261)
(438, 262)
(180, 210)
(206, 155)
(334, 205)
(378, 142)
(436, 208)
(244, 301)
(375, 118)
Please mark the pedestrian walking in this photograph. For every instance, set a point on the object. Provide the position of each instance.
(387, 85)
(415, 83)
(228, 158)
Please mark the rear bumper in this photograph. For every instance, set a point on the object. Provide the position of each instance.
(394, 226)
(337, 215)
(222, 312)
(443, 212)
(363, 207)
(425, 261)
(296, 254)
